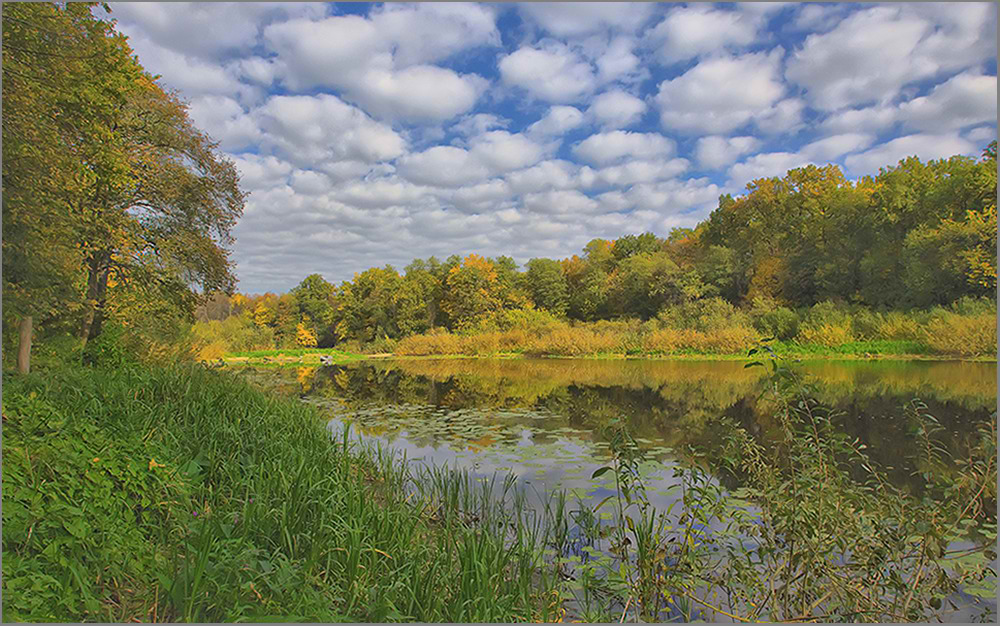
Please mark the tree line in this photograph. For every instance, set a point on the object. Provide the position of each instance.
(914, 236)
(114, 204)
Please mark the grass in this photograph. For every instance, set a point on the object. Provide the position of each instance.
(185, 494)
(292, 356)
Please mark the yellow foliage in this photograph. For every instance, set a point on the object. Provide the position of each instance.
(973, 335)
(897, 326)
(213, 351)
(304, 336)
(829, 335)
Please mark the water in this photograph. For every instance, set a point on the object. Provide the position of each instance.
(540, 418)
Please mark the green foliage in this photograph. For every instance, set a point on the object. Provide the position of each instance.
(802, 536)
(110, 349)
(185, 494)
(772, 320)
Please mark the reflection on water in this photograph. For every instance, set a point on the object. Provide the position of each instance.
(541, 419)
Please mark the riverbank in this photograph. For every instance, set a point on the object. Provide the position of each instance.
(137, 494)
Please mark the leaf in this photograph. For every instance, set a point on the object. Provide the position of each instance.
(601, 471)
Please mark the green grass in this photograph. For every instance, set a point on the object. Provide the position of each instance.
(298, 352)
(185, 494)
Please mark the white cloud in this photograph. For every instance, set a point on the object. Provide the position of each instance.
(721, 94)
(442, 166)
(714, 152)
(764, 165)
(675, 196)
(616, 109)
(547, 175)
(479, 123)
(433, 31)
(357, 55)
(490, 154)
(606, 148)
(699, 29)
(925, 146)
(581, 18)
(501, 151)
(982, 135)
(871, 120)
(874, 52)
(313, 129)
(225, 120)
(206, 29)
(557, 121)
(619, 62)
(633, 172)
(832, 147)
(963, 100)
(553, 74)
(563, 201)
(784, 118)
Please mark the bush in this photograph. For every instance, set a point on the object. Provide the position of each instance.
(109, 349)
(437, 341)
(773, 320)
(574, 342)
(899, 326)
(974, 335)
(866, 324)
(968, 305)
(703, 315)
(829, 335)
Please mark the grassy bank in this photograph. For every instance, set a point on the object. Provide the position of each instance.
(184, 494)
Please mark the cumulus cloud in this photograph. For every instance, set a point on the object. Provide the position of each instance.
(574, 19)
(616, 109)
(721, 94)
(830, 148)
(554, 73)
(313, 129)
(874, 52)
(606, 148)
(490, 154)
(382, 62)
(558, 120)
(714, 151)
(926, 146)
(698, 29)
(965, 99)
(765, 165)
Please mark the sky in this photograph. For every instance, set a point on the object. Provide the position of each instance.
(374, 134)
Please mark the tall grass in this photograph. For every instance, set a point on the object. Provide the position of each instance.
(713, 326)
(184, 494)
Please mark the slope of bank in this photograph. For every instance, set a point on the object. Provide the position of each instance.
(184, 494)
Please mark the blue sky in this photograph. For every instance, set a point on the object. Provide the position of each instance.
(372, 134)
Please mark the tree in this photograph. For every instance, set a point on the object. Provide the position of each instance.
(64, 72)
(547, 286)
(314, 296)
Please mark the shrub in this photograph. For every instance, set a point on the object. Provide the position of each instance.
(897, 325)
(437, 341)
(974, 335)
(703, 315)
(213, 351)
(829, 335)
(827, 312)
(866, 324)
(779, 322)
(969, 305)
(574, 342)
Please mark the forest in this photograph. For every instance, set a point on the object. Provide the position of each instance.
(908, 255)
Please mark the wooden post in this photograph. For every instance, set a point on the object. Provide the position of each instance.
(24, 346)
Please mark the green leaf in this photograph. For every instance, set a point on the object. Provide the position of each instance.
(600, 472)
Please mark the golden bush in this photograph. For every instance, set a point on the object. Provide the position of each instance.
(972, 335)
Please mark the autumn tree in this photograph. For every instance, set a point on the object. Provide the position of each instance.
(547, 285)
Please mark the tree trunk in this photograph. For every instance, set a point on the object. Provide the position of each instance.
(96, 275)
(102, 298)
(24, 346)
